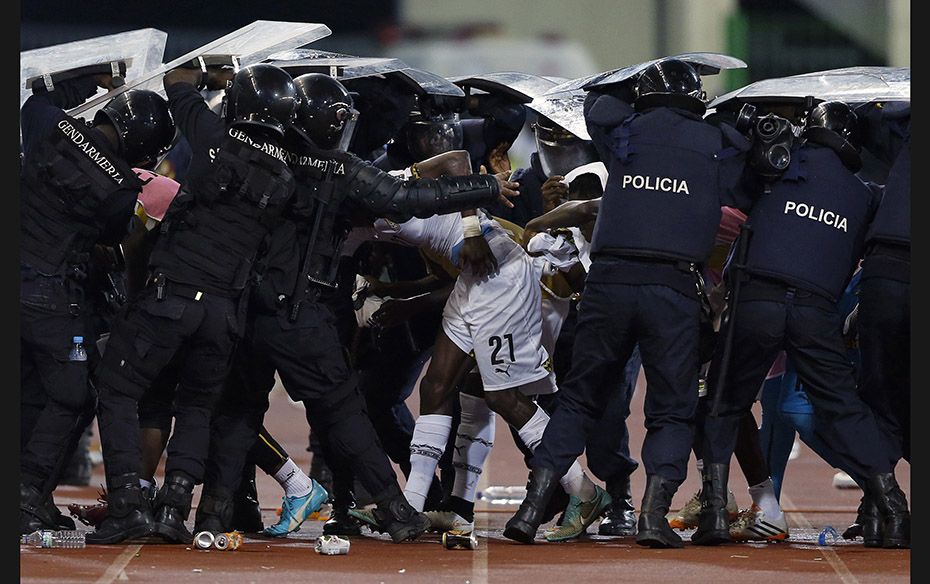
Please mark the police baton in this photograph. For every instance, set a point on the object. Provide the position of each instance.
(736, 275)
(303, 278)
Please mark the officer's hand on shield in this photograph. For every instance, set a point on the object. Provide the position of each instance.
(183, 75)
(509, 189)
(105, 80)
(554, 192)
(218, 77)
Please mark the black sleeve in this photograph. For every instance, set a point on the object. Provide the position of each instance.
(43, 109)
(116, 213)
(739, 187)
(202, 128)
(602, 113)
(385, 195)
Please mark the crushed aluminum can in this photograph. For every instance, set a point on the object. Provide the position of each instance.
(228, 541)
(204, 540)
(331, 545)
(459, 540)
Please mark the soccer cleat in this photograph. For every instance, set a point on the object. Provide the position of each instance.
(688, 516)
(752, 525)
(296, 510)
(367, 518)
(92, 515)
(579, 515)
(448, 521)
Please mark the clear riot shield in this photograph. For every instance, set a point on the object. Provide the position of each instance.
(130, 55)
(250, 44)
(706, 63)
(340, 66)
(852, 85)
(566, 109)
(521, 87)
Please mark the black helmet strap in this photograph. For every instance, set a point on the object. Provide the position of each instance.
(846, 151)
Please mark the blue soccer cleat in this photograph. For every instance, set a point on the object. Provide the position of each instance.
(296, 510)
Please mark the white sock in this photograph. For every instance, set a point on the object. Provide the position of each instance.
(430, 436)
(763, 495)
(294, 481)
(575, 482)
(473, 443)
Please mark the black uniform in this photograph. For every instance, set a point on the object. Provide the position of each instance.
(656, 225)
(885, 311)
(290, 331)
(75, 192)
(236, 188)
(529, 204)
(807, 238)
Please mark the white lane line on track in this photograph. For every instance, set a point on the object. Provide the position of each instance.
(120, 563)
(838, 565)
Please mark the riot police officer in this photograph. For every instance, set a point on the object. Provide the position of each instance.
(669, 173)
(788, 301)
(232, 197)
(291, 331)
(78, 189)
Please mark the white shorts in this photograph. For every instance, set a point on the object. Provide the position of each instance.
(500, 320)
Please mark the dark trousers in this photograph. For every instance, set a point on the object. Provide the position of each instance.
(771, 317)
(608, 447)
(311, 362)
(612, 320)
(144, 341)
(885, 346)
(58, 402)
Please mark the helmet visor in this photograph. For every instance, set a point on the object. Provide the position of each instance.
(427, 138)
(350, 119)
(560, 151)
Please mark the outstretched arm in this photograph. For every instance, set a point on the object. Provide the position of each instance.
(570, 214)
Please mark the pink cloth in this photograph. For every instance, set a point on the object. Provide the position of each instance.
(730, 221)
(157, 193)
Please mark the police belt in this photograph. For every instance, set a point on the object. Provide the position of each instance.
(164, 287)
(768, 288)
(897, 251)
(683, 265)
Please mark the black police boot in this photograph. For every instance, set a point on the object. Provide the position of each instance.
(172, 506)
(247, 513)
(395, 516)
(128, 513)
(714, 522)
(867, 525)
(340, 522)
(621, 515)
(60, 520)
(653, 529)
(215, 511)
(892, 508)
(556, 506)
(539, 489)
(34, 514)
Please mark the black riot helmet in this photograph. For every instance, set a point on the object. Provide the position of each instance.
(559, 150)
(430, 133)
(834, 124)
(837, 117)
(325, 115)
(672, 83)
(142, 122)
(261, 96)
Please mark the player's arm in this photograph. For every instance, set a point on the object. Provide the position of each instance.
(570, 214)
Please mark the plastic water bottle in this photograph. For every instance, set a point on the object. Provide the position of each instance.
(78, 352)
(69, 538)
